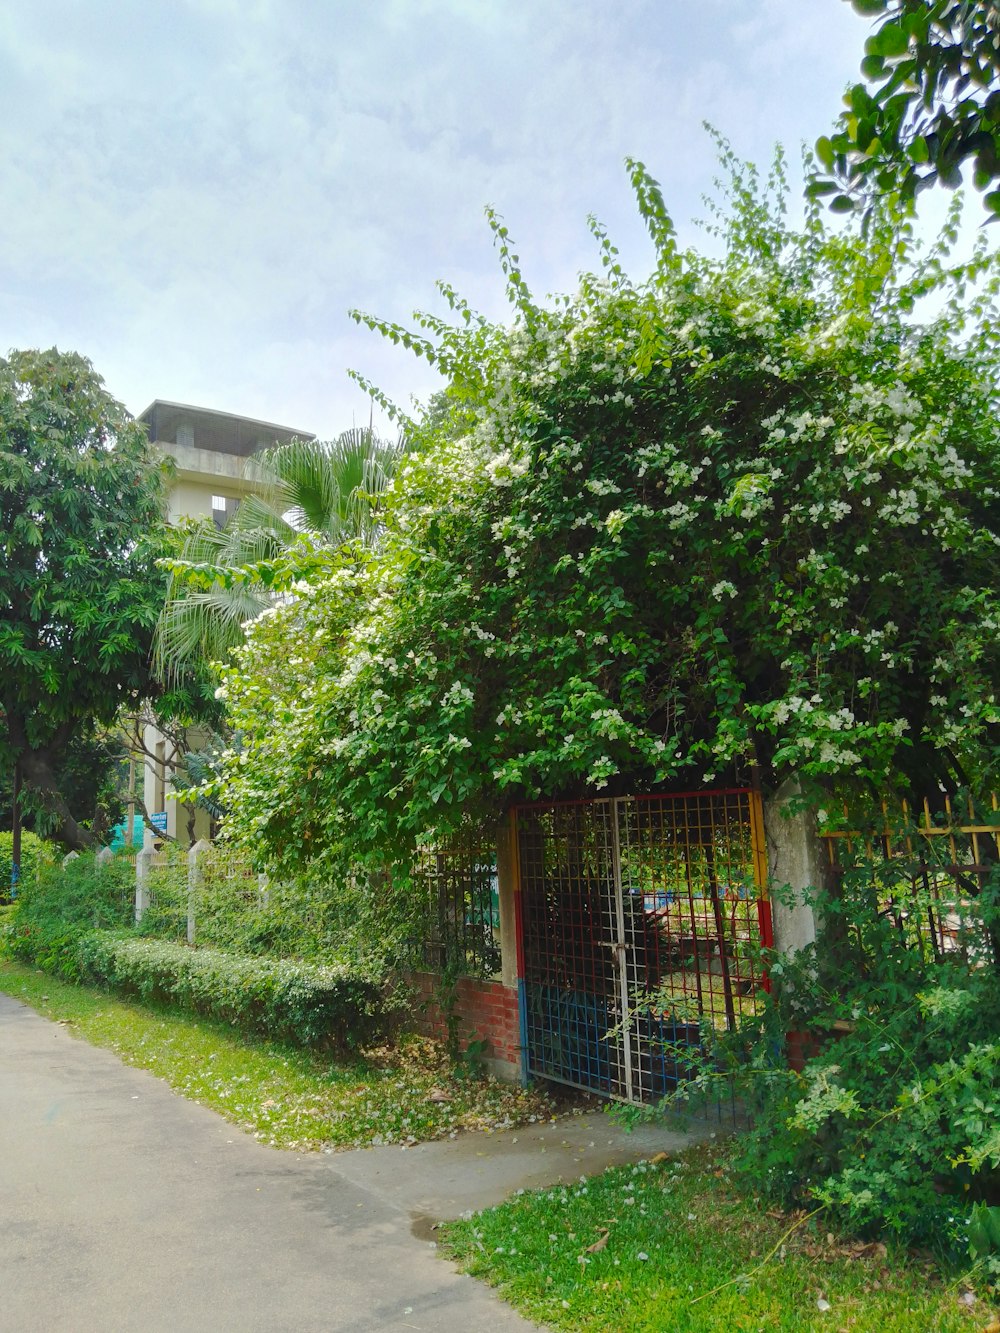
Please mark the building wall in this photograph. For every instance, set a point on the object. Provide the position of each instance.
(200, 474)
(486, 1010)
(156, 792)
(192, 499)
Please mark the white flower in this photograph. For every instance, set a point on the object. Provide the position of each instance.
(723, 586)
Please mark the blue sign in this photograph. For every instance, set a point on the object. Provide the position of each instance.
(159, 820)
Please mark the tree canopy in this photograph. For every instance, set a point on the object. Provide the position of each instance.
(931, 103)
(738, 520)
(81, 505)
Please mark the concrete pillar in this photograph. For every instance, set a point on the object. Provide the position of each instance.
(195, 857)
(143, 862)
(70, 856)
(103, 857)
(508, 881)
(797, 865)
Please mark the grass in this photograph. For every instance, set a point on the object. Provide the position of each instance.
(284, 1096)
(671, 1244)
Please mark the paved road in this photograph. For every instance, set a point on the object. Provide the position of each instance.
(124, 1207)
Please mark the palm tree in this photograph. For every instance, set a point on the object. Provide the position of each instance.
(331, 490)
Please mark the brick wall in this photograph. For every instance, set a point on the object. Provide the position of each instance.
(486, 1010)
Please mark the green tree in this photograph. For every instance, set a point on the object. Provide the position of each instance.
(931, 103)
(221, 578)
(91, 777)
(81, 506)
(740, 518)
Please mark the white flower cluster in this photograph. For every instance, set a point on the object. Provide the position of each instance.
(459, 695)
(608, 722)
(870, 399)
(504, 468)
(602, 486)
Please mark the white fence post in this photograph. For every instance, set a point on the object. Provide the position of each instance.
(195, 877)
(143, 862)
(70, 856)
(103, 857)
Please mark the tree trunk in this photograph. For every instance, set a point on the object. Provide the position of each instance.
(15, 839)
(36, 770)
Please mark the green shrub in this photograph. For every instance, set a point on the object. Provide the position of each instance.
(892, 1124)
(34, 854)
(338, 1006)
(316, 918)
(166, 910)
(64, 902)
(8, 913)
(304, 920)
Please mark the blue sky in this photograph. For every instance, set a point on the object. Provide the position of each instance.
(195, 192)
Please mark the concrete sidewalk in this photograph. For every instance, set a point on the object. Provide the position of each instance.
(125, 1207)
(437, 1181)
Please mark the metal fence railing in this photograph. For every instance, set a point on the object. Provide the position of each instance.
(212, 894)
(931, 867)
(459, 905)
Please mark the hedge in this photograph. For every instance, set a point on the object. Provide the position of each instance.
(335, 1005)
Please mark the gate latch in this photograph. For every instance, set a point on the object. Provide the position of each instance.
(619, 949)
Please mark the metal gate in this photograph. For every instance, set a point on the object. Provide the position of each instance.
(640, 921)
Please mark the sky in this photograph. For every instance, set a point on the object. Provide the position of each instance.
(195, 193)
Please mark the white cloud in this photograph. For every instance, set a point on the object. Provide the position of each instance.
(195, 194)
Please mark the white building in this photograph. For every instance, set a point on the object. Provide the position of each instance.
(210, 450)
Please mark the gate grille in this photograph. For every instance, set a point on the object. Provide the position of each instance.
(641, 920)
(460, 918)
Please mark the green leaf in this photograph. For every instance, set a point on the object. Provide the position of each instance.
(842, 204)
(891, 40)
(918, 150)
(824, 151)
(861, 103)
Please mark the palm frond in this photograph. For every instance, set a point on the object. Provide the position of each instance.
(205, 626)
(330, 488)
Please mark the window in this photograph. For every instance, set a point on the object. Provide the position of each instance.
(223, 507)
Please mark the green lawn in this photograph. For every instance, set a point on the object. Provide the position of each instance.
(284, 1096)
(672, 1247)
